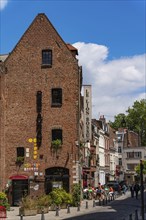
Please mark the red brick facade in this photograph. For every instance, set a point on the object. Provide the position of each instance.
(24, 75)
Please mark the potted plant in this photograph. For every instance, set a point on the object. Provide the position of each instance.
(56, 199)
(66, 199)
(56, 145)
(76, 194)
(60, 198)
(4, 200)
(43, 203)
(28, 206)
(19, 161)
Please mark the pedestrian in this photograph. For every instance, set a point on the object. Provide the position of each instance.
(132, 190)
(111, 191)
(124, 189)
(136, 189)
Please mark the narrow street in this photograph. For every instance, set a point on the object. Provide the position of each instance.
(115, 210)
(119, 209)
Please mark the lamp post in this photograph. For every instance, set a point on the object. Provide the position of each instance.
(142, 189)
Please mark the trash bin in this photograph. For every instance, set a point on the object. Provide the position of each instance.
(2, 213)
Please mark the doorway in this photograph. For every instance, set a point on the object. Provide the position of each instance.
(56, 177)
(20, 186)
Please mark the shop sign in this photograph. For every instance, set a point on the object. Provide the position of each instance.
(31, 167)
(87, 112)
(57, 184)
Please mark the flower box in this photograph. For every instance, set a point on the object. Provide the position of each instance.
(27, 212)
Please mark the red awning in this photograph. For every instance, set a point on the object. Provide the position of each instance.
(18, 177)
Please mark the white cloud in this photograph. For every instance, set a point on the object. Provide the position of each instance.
(3, 4)
(116, 84)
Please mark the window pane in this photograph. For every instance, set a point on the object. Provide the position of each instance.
(47, 57)
(39, 101)
(120, 161)
(56, 134)
(56, 96)
(20, 151)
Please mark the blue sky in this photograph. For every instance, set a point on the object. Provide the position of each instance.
(111, 33)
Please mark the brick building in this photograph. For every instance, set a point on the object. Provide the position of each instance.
(40, 84)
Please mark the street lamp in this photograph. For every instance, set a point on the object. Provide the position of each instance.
(142, 189)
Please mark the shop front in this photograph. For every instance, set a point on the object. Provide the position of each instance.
(56, 177)
(18, 189)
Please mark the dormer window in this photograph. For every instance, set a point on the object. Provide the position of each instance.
(46, 58)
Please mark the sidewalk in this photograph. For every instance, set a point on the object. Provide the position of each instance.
(14, 214)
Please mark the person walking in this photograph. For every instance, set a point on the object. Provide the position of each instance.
(132, 190)
(136, 189)
(124, 189)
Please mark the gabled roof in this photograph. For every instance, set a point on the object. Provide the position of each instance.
(41, 17)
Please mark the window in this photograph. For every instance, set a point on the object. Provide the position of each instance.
(133, 154)
(120, 161)
(56, 97)
(119, 149)
(39, 101)
(47, 57)
(131, 166)
(57, 134)
(137, 155)
(119, 137)
(130, 154)
(20, 151)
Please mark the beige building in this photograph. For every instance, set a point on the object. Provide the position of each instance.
(131, 158)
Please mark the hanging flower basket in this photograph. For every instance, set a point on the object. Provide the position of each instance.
(19, 161)
(55, 146)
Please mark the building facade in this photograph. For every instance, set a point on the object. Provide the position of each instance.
(40, 84)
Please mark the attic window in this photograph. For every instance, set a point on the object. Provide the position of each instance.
(46, 58)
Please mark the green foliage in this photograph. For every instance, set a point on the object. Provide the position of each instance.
(118, 122)
(76, 194)
(66, 197)
(56, 144)
(135, 120)
(44, 201)
(4, 200)
(56, 197)
(19, 161)
(3, 196)
(137, 168)
(60, 196)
